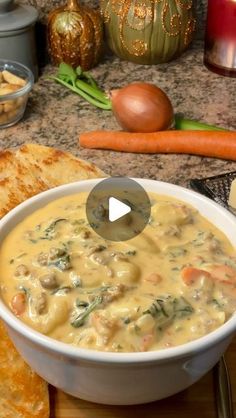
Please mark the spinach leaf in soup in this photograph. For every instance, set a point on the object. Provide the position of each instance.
(50, 231)
(80, 319)
(165, 309)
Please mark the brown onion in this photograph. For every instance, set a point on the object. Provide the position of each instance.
(142, 107)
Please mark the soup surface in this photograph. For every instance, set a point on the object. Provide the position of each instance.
(171, 284)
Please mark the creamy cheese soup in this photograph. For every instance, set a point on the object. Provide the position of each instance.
(171, 284)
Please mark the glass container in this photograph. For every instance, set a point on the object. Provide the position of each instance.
(12, 105)
(220, 37)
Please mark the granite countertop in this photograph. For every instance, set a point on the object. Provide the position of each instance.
(55, 116)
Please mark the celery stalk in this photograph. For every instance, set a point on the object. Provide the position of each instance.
(192, 125)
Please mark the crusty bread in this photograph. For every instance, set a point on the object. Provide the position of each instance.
(25, 172)
(17, 182)
(23, 394)
(34, 168)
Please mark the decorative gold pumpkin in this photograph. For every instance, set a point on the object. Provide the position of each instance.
(75, 35)
(148, 31)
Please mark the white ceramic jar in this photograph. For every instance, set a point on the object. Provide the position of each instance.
(17, 34)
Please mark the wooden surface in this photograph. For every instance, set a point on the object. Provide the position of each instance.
(197, 401)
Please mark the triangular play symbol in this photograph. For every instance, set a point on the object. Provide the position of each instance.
(117, 209)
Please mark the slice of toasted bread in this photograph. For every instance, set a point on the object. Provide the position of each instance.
(56, 166)
(23, 394)
(34, 168)
(17, 182)
(25, 172)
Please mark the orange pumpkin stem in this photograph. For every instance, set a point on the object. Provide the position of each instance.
(73, 5)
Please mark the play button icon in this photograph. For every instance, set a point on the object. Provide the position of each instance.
(118, 208)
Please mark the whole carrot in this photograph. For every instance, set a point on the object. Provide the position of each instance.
(219, 144)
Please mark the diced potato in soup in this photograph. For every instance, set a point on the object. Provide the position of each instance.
(171, 284)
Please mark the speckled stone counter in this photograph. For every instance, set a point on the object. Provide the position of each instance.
(55, 116)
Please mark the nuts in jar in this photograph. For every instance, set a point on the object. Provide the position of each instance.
(10, 83)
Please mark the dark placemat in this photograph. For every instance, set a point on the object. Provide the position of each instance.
(216, 188)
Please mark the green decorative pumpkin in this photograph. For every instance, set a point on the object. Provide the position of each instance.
(148, 31)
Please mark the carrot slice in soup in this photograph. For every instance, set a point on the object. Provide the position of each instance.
(224, 274)
(191, 274)
(18, 304)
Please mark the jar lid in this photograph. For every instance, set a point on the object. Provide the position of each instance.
(15, 16)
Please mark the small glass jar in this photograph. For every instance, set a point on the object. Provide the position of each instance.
(12, 105)
(220, 37)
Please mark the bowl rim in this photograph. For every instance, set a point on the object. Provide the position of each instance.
(60, 348)
(23, 90)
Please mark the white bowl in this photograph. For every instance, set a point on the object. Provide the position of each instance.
(120, 378)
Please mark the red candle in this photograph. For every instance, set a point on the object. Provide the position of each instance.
(220, 39)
